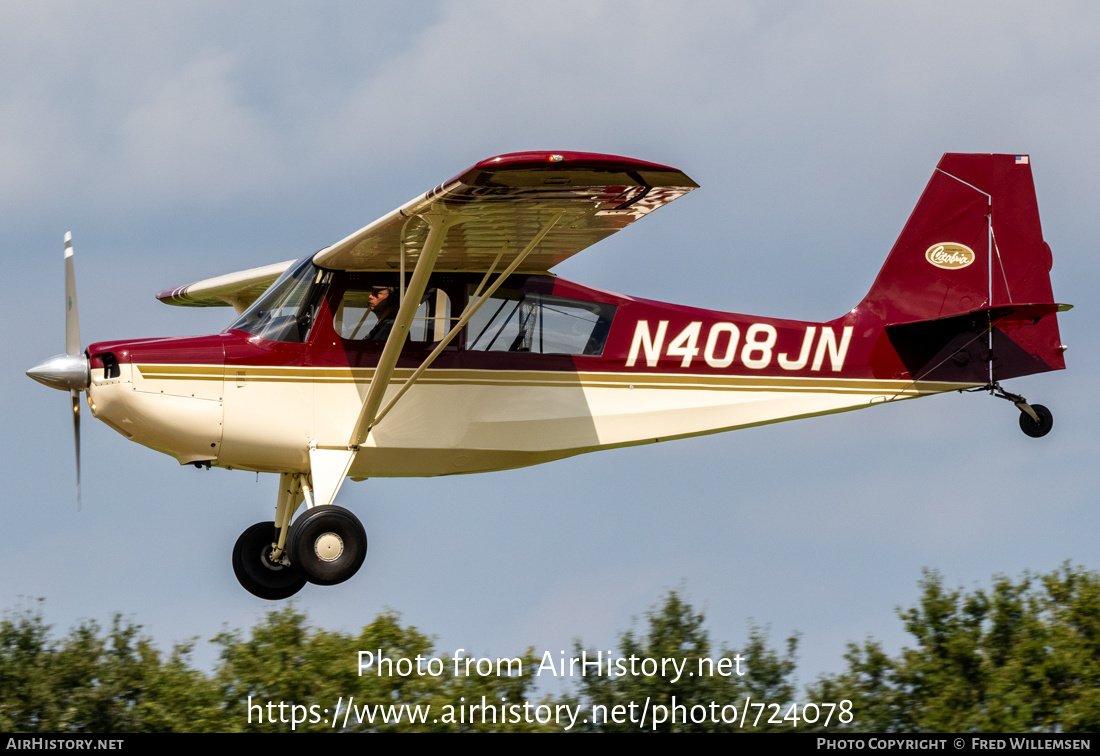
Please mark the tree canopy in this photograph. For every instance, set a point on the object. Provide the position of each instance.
(676, 631)
(1022, 655)
(96, 680)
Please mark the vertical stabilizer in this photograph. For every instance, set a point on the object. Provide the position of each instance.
(971, 260)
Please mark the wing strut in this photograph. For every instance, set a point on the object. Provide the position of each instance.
(472, 307)
(439, 222)
(329, 466)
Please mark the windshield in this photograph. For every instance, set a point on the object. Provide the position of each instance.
(285, 312)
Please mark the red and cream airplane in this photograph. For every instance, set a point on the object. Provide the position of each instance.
(435, 341)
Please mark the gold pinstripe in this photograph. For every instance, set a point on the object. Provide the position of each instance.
(553, 379)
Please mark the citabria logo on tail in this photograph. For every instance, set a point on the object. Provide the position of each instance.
(950, 256)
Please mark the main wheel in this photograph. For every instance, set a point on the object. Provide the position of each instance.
(1037, 429)
(328, 544)
(255, 570)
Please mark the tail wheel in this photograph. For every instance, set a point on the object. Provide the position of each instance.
(1037, 429)
(256, 572)
(328, 544)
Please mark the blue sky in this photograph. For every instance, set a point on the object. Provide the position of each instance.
(186, 140)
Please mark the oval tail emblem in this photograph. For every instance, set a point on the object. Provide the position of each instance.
(950, 256)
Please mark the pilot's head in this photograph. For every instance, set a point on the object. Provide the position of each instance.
(381, 297)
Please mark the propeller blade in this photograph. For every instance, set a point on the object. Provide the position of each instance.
(72, 317)
(69, 371)
(74, 395)
(72, 346)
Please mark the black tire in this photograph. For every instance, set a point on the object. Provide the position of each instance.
(328, 544)
(256, 572)
(1037, 429)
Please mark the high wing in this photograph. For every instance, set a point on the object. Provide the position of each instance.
(238, 290)
(522, 212)
(504, 202)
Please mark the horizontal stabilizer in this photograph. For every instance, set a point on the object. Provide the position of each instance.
(985, 345)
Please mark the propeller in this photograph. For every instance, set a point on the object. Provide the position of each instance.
(69, 371)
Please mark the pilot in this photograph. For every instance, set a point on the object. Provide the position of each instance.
(383, 303)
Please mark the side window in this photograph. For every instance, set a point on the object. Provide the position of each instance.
(354, 319)
(497, 326)
(519, 321)
(433, 317)
(368, 313)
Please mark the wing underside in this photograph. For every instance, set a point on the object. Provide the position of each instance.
(567, 200)
(505, 201)
(238, 290)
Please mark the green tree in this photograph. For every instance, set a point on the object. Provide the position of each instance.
(98, 681)
(285, 661)
(1022, 656)
(26, 662)
(676, 631)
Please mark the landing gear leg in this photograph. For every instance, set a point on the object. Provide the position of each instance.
(1035, 419)
(291, 494)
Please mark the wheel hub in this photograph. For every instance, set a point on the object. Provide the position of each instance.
(328, 547)
(267, 561)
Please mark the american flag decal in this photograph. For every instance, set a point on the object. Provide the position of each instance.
(1022, 160)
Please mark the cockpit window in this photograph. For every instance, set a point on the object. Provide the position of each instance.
(285, 312)
(524, 321)
(354, 319)
(367, 313)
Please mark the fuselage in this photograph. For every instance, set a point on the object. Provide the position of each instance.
(547, 369)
